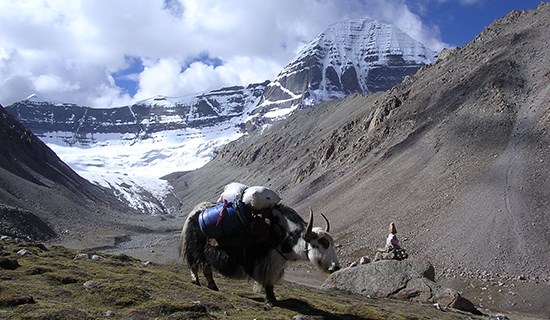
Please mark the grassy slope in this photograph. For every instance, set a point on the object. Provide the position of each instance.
(49, 284)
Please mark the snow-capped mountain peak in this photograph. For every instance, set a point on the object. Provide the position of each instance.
(357, 39)
(353, 56)
(38, 100)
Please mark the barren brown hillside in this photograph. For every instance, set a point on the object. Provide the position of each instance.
(457, 155)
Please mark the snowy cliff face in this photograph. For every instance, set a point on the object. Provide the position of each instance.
(354, 56)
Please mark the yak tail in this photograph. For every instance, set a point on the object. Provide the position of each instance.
(181, 247)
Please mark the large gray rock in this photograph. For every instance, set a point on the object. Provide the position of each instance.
(411, 280)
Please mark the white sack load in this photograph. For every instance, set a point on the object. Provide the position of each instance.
(232, 192)
(259, 198)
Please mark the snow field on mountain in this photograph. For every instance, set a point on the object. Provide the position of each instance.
(134, 168)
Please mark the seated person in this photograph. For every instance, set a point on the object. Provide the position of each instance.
(392, 250)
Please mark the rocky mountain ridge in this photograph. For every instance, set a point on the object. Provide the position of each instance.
(70, 124)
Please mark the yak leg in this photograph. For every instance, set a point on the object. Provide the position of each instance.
(195, 275)
(207, 271)
(269, 297)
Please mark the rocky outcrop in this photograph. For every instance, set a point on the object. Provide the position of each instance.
(412, 280)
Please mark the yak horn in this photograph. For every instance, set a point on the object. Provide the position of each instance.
(328, 223)
(309, 234)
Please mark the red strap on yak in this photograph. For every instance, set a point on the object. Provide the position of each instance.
(220, 216)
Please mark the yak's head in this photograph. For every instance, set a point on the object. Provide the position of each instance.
(320, 246)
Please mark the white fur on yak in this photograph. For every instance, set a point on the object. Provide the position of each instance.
(290, 239)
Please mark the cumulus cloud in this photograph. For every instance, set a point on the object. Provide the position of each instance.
(165, 76)
(73, 50)
(53, 83)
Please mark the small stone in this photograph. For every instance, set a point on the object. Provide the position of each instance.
(364, 260)
(22, 252)
(81, 256)
(96, 257)
(91, 284)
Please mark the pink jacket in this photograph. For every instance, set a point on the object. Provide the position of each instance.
(392, 241)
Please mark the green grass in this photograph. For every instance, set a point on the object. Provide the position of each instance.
(50, 284)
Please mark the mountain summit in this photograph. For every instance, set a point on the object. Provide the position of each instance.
(353, 56)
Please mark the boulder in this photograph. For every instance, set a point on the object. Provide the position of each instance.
(411, 280)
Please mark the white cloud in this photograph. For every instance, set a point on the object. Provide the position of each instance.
(53, 83)
(66, 50)
(164, 77)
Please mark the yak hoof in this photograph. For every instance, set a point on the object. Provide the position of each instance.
(213, 287)
(268, 305)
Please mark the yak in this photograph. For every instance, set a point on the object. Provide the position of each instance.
(285, 238)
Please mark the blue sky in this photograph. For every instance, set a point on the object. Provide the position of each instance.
(460, 22)
(105, 53)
